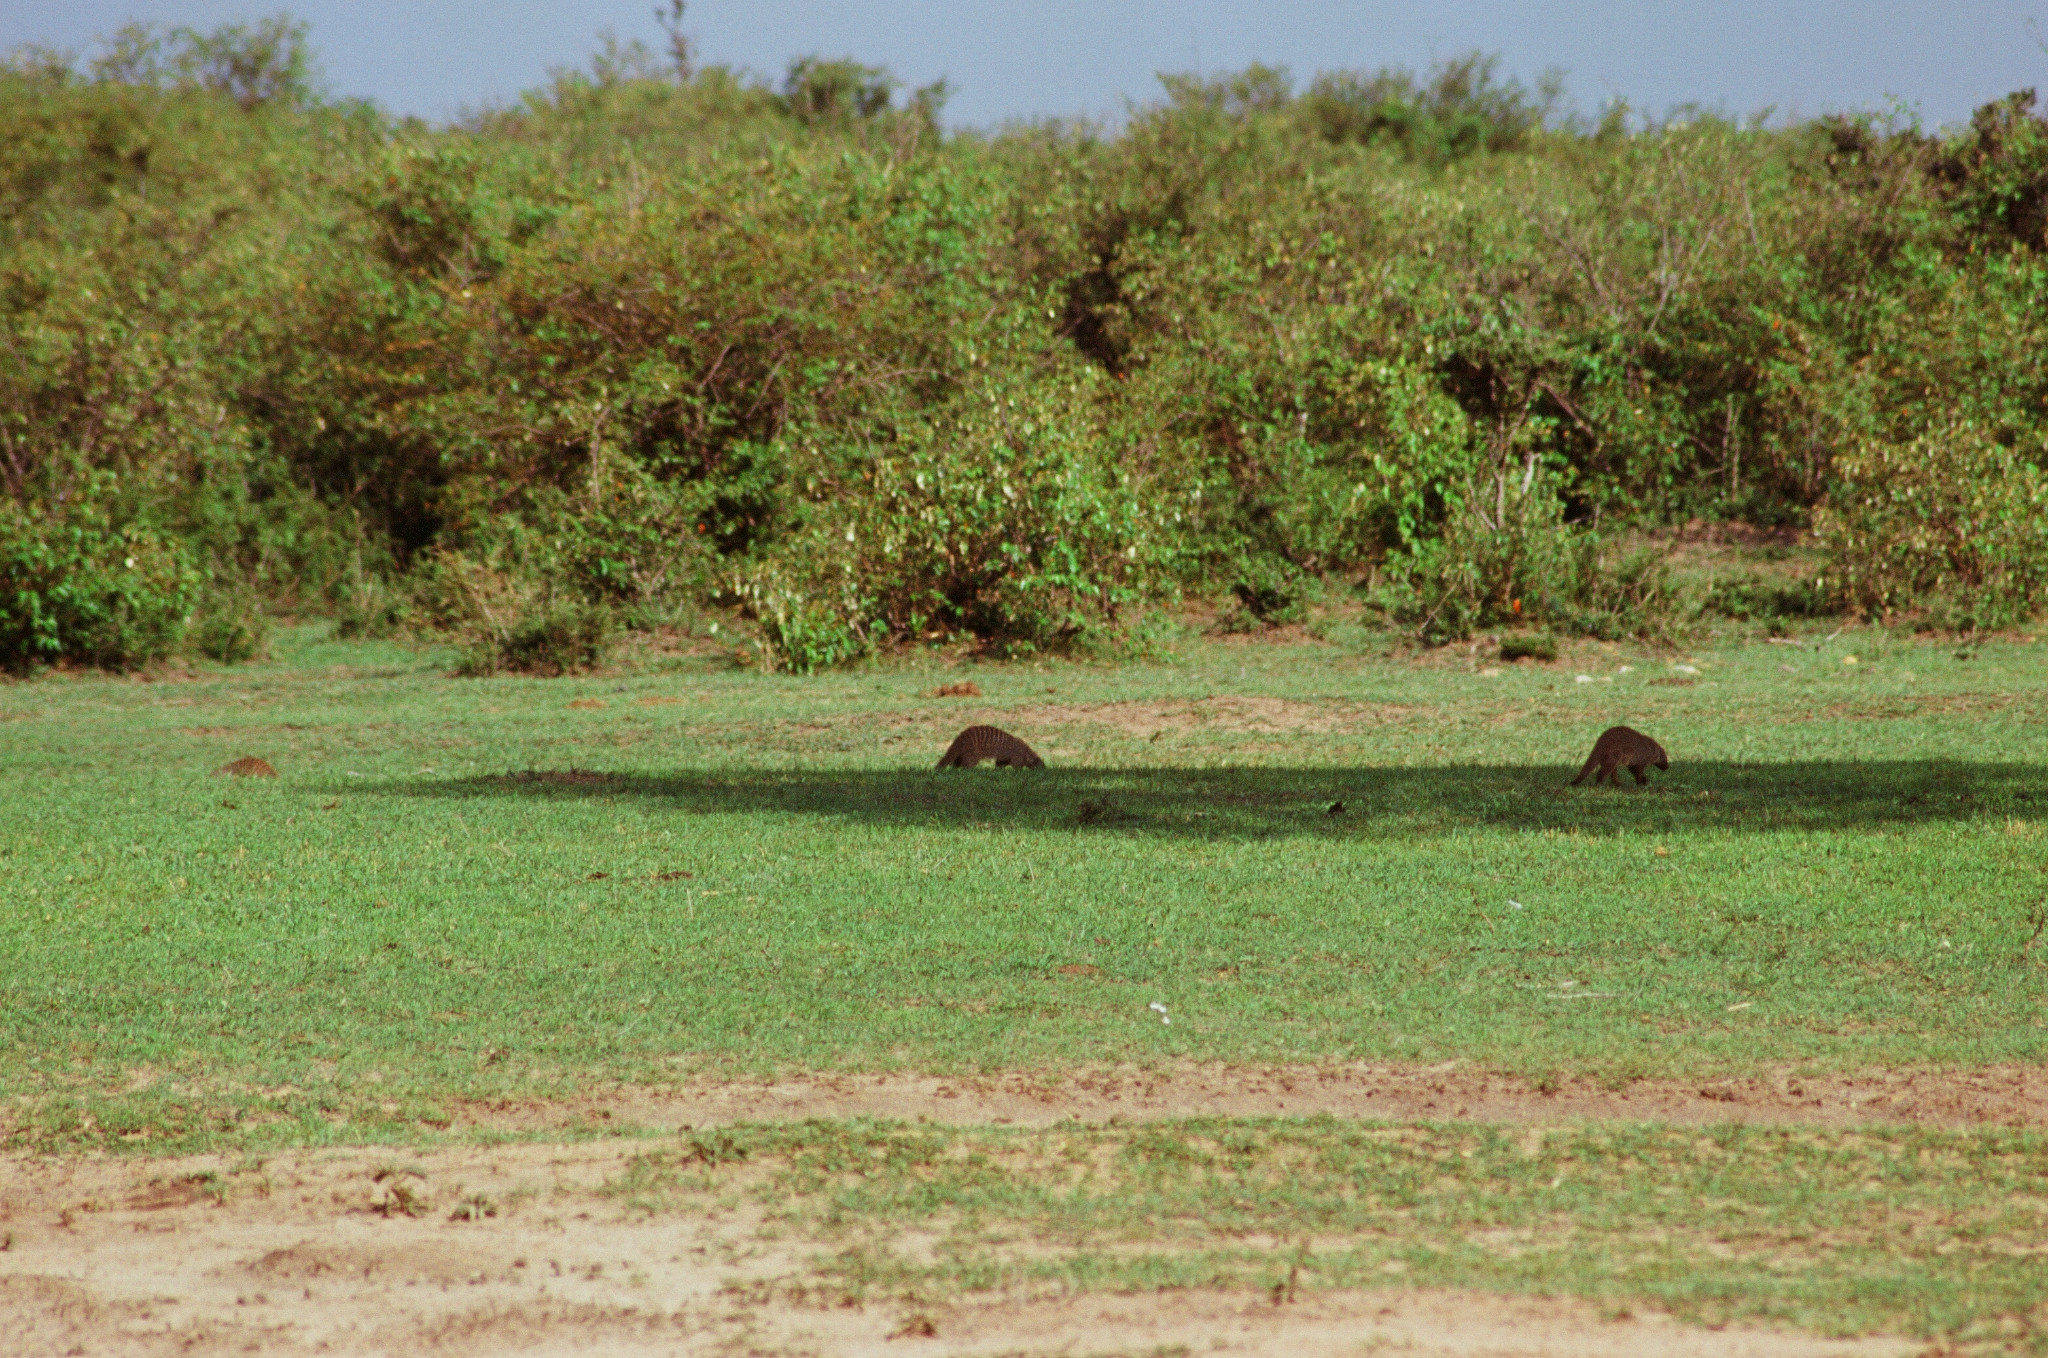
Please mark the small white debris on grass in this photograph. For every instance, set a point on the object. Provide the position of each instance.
(1626, 669)
(1518, 905)
(1582, 678)
(1159, 1009)
(1686, 669)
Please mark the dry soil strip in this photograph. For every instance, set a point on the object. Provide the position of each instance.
(137, 1258)
(2014, 1096)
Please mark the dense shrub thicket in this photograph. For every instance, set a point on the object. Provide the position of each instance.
(656, 337)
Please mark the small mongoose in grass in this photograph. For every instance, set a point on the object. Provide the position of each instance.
(1622, 747)
(248, 766)
(977, 743)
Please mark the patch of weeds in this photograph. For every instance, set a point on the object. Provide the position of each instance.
(1756, 598)
(211, 1186)
(916, 1325)
(230, 628)
(715, 1148)
(473, 1207)
(1528, 646)
(559, 638)
(370, 609)
(398, 1191)
(1263, 597)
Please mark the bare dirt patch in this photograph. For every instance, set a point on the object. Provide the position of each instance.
(2001, 1096)
(1233, 714)
(292, 1259)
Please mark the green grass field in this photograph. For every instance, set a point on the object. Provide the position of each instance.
(469, 890)
(462, 888)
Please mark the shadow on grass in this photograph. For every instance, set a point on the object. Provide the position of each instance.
(1386, 803)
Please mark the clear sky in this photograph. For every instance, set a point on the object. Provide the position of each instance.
(1022, 58)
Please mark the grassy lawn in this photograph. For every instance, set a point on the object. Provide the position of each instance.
(466, 889)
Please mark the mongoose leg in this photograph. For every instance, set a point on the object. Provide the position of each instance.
(1637, 770)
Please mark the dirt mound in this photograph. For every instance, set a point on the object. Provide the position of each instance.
(248, 766)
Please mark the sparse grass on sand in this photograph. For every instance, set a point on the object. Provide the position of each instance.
(1905, 1230)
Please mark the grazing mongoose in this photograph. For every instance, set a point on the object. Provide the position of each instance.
(248, 766)
(977, 743)
(1622, 747)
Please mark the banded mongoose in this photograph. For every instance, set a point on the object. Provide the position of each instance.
(977, 743)
(248, 766)
(1622, 747)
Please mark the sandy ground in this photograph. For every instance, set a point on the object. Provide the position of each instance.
(137, 1257)
(2014, 1096)
(306, 1254)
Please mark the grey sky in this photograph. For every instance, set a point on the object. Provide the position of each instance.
(1019, 58)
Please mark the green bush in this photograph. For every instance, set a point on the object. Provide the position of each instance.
(1533, 646)
(89, 594)
(372, 608)
(1748, 598)
(1005, 517)
(656, 335)
(230, 627)
(556, 638)
(1265, 594)
(1954, 523)
(1531, 567)
(810, 620)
